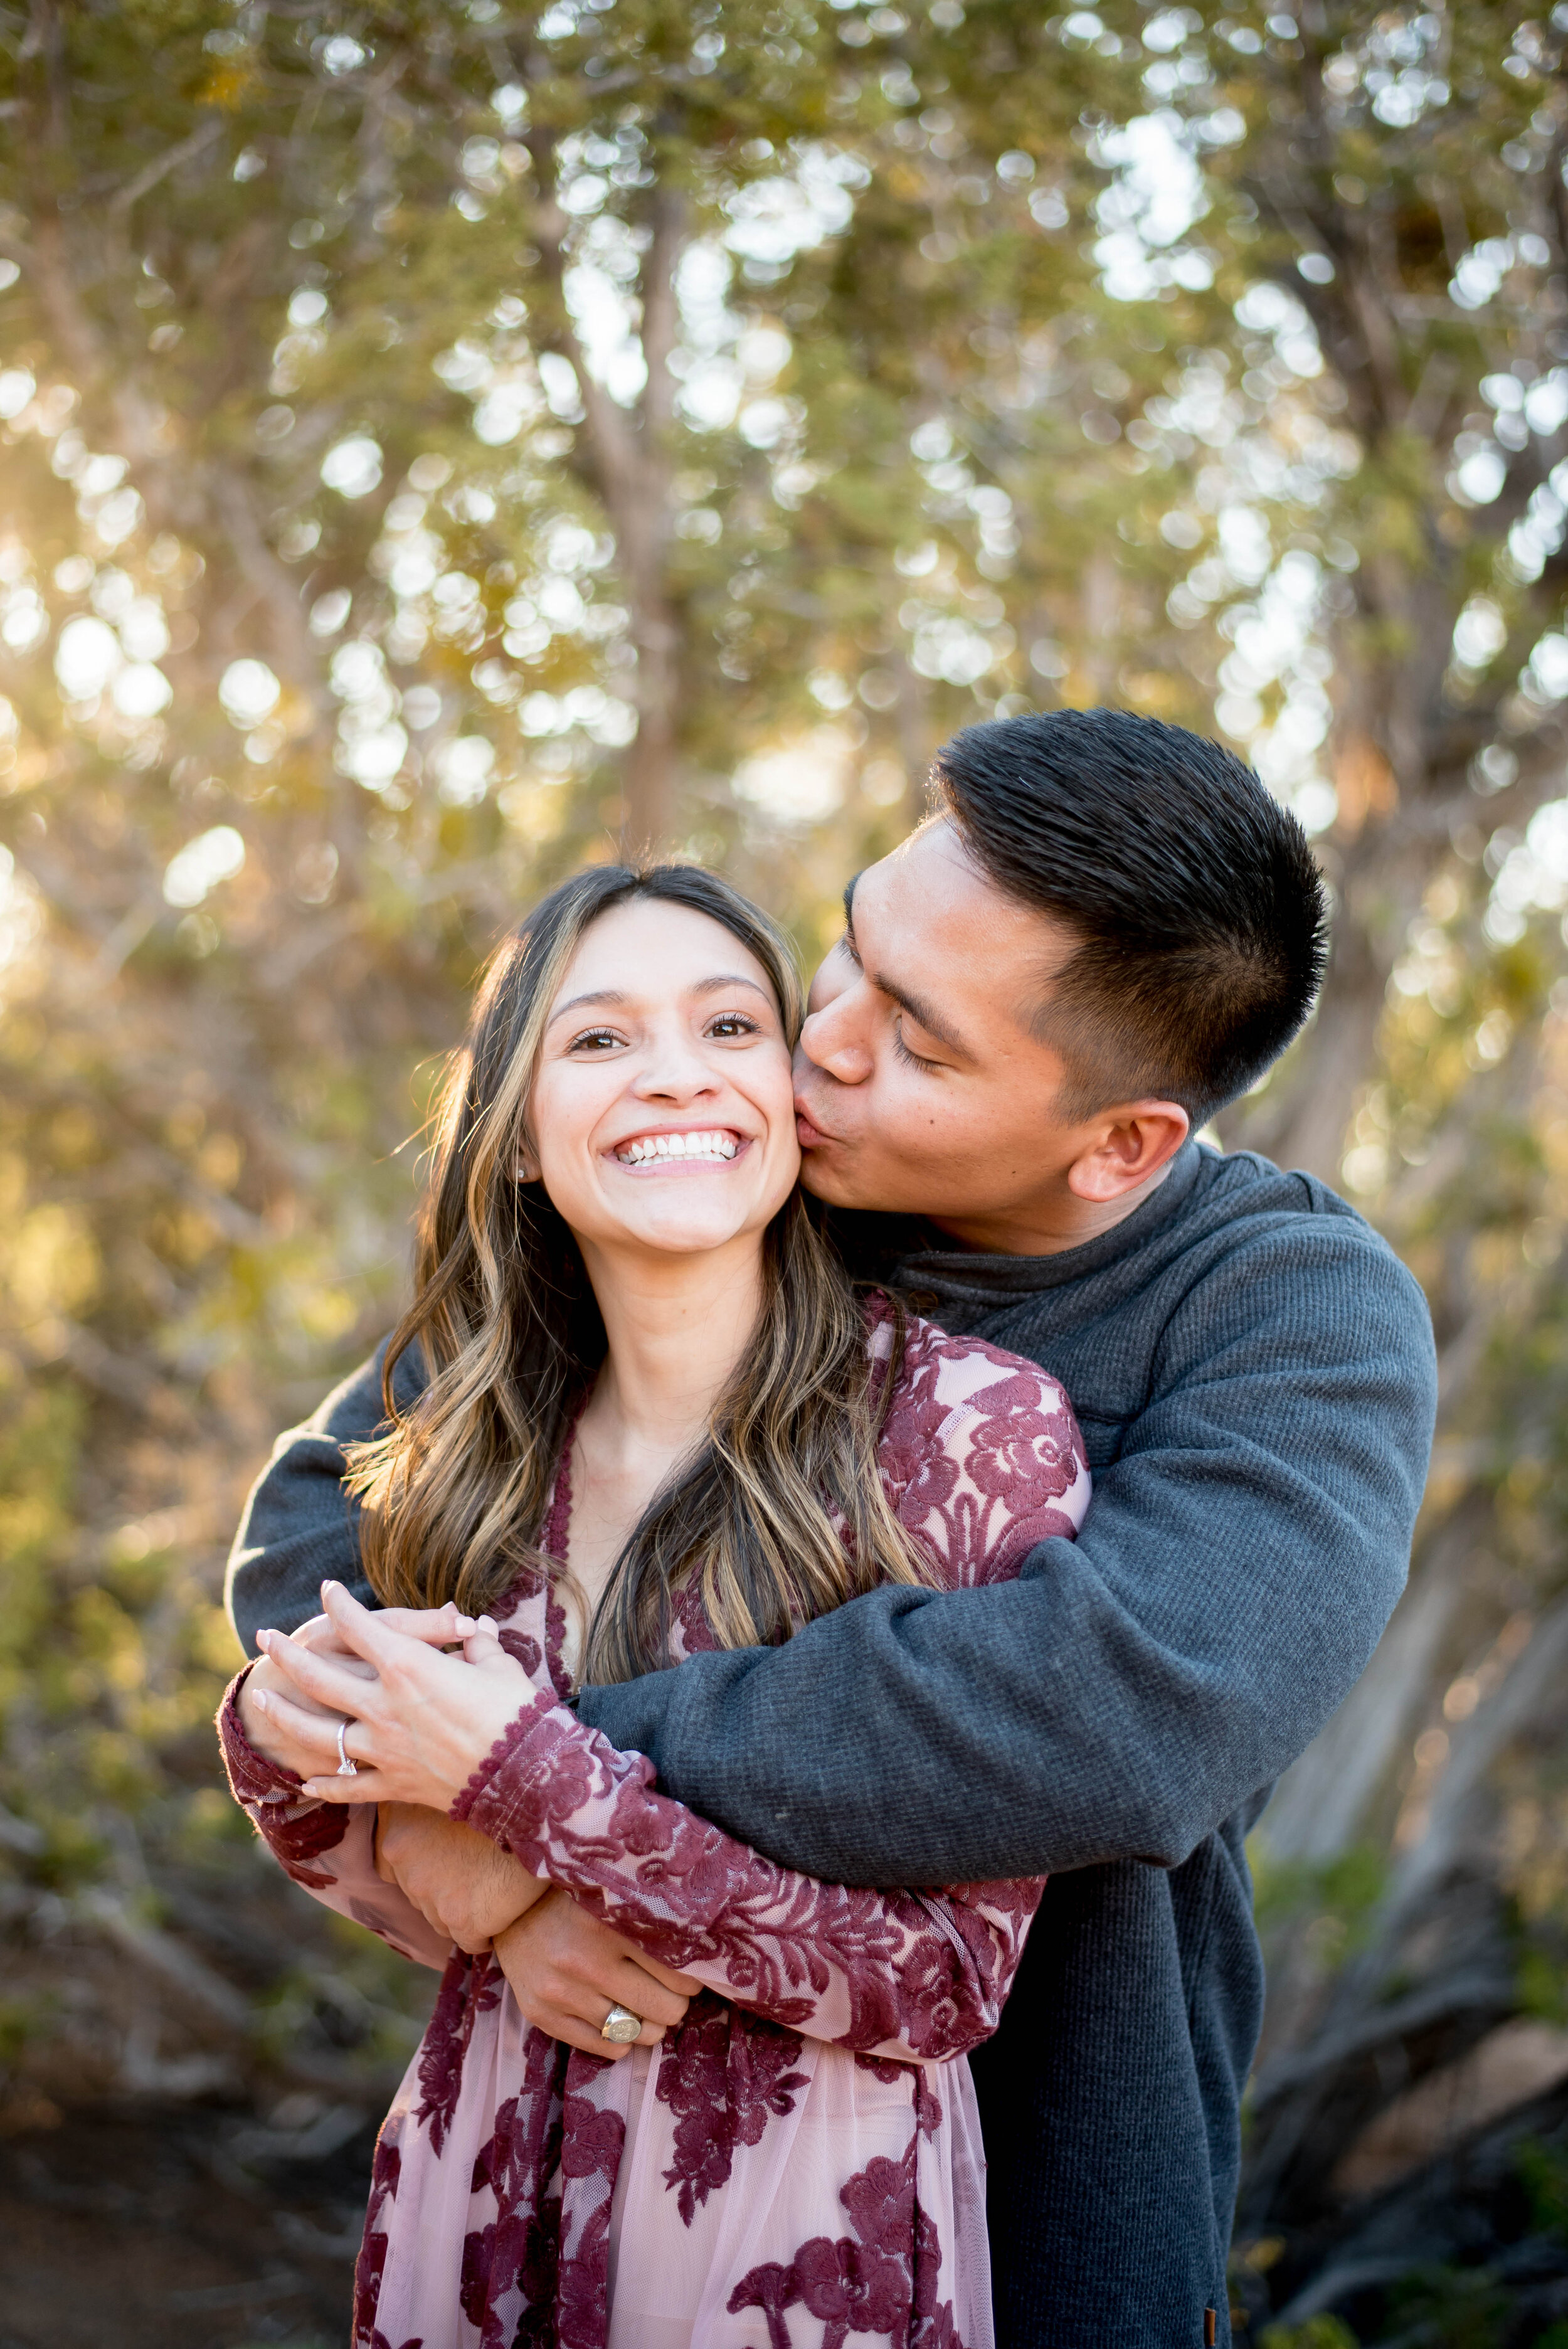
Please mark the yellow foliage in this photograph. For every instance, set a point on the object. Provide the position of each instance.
(212, 1643)
(13, 1181)
(327, 1314)
(219, 1162)
(51, 1266)
(110, 1638)
(228, 84)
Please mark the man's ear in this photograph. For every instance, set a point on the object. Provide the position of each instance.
(1126, 1147)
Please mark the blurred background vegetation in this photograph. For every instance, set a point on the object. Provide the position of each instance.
(441, 442)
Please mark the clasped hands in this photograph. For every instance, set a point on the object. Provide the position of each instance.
(421, 1722)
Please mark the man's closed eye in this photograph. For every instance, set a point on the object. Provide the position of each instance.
(906, 1052)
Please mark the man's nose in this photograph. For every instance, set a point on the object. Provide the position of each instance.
(829, 1041)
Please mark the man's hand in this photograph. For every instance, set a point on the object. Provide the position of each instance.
(273, 1734)
(462, 1884)
(567, 1970)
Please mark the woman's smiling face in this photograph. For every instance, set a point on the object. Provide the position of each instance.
(662, 1110)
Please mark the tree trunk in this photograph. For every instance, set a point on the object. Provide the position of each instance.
(626, 453)
(648, 792)
(1300, 1120)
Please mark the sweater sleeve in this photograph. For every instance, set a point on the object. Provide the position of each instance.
(326, 1847)
(300, 1527)
(1134, 1688)
(911, 1975)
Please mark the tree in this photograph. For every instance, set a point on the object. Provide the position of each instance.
(321, 651)
(1411, 168)
(445, 444)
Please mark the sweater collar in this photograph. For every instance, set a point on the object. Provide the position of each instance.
(982, 1280)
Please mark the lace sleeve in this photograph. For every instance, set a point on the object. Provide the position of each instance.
(917, 1975)
(327, 1847)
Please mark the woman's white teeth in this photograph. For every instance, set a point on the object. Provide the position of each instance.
(650, 1147)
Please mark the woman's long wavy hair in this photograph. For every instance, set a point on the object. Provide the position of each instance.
(780, 1513)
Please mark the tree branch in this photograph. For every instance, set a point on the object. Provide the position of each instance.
(161, 165)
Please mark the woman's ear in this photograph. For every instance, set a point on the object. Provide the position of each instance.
(525, 1165)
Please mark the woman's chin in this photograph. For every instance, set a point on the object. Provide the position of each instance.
(677, 1234)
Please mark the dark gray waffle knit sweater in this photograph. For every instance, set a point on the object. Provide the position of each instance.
(1254, 1372)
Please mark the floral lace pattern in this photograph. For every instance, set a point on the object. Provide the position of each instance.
(726, 2071)
(797, 2164)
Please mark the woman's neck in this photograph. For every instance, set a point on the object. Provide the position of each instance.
(677, 1326)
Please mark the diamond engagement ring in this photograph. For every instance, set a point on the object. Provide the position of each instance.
(621, 2026)
(346, 1766)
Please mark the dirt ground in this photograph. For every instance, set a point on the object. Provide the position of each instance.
(151, 2228)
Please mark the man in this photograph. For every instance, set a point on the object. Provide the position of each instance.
(1108, 930)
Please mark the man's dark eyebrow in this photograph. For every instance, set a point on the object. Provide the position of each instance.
(913, 1004)
(850, 915)
(918, 1009)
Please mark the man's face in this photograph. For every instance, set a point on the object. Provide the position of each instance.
(919, 1086)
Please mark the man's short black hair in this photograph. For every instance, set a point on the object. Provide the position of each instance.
(1198, 906)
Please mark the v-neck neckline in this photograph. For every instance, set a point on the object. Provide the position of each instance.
(556, 1532)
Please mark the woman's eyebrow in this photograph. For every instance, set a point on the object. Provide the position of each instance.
(730, 979)
(575, 1003)
(615, 995)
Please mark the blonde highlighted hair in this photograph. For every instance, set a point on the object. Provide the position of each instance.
(780, 1515)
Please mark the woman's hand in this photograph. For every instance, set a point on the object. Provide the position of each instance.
(418, 1731)
(568, 1968)
(272, 1732)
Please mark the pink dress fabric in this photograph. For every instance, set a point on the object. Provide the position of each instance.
(798, 2165)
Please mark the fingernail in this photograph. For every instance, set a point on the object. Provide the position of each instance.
(261, 1704)
(485, 1623)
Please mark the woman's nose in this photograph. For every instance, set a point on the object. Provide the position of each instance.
(674, 1070)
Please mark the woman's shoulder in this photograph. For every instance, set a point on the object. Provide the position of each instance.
(934, 1363)
(980, 1448)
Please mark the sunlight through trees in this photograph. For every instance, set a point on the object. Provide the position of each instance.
(442, 445)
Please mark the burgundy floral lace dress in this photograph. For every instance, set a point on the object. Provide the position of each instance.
(798, 2165)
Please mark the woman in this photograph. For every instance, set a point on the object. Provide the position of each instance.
(657, 1419)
